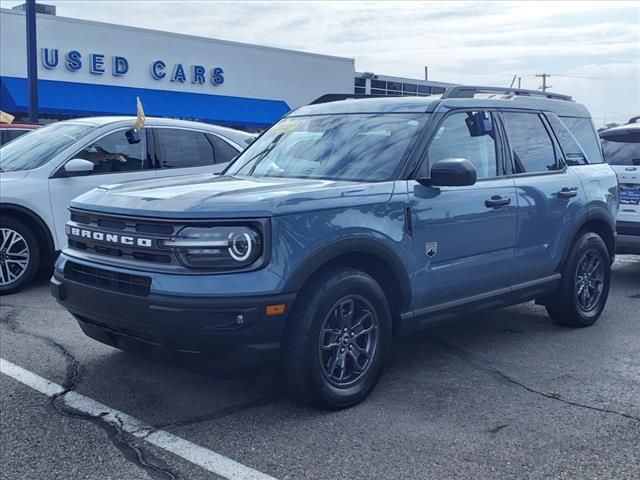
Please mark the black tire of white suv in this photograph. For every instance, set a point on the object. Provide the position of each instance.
(337, 339)
(584, 290)
(19, 255)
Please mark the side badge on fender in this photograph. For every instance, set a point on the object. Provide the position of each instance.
(432, 249)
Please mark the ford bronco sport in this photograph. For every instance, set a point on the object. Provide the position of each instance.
(346, 224)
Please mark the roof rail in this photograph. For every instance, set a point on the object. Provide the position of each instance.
(634, 119)
(464, 91)
(334, 97)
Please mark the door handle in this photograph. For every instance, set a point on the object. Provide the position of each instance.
(567, 192)
(497, 201)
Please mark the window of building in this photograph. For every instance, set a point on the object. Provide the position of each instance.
(583, 130)
(379, 84)
(410, 88)
(184, 148)
(360, 82)
(394, 86)
(113, 153)
(437, 90)
(375, 91)
(531, 146)
(360, 90)
(424, 89)
(469, 135)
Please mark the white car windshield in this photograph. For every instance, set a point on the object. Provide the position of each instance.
(37, 147)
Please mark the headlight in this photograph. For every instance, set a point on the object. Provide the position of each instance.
(224, 247)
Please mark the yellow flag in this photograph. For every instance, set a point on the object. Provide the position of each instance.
(140, 118)
(5, 117)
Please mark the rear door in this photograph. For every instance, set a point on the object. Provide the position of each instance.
(622, 152)
(181, 151)
(550, 195)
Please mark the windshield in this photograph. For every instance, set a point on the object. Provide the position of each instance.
(39, 146)
(355, 147)
(621, 152)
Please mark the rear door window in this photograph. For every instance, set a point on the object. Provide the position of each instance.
(531, 146)
(180, 148)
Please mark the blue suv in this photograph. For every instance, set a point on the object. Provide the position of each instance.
(346, 224)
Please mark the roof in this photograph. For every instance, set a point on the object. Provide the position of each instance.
(21, 126)
(82, 99)
(621, 129)
(6, 11)
(371, 105)
(237, 136)
(436, 103)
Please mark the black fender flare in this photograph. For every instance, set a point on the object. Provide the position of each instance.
(594, 213)
(361, 245)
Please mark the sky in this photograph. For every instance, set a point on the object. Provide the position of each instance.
(590, 48)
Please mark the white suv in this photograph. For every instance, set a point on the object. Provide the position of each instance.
(41, 172)
(621, 146)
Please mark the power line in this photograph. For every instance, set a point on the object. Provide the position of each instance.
(586, 77)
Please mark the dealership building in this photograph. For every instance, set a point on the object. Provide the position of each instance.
(88, 68)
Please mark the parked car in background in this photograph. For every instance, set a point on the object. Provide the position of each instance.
(40, 173)
(348, 223)
(9, 131)
(621, 147)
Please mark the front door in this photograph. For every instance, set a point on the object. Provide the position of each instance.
(115, 160)
(464, 237)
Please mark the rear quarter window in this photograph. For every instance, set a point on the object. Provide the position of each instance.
(583, 130)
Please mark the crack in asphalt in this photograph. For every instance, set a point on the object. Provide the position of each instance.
(483, 364)
(116, 434)
(221, 413)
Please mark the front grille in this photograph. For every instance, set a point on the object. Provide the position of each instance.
(157, 231)
(109, 280)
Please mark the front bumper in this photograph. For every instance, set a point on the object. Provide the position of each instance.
(628, 239)
(235, 326)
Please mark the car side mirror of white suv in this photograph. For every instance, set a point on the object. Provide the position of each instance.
(78, 167)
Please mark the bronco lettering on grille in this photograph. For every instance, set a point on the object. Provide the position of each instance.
(111, 237)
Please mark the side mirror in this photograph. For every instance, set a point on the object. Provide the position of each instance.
(78, 167)
(451, 172)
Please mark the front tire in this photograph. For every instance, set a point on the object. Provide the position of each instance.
(584, 290)
(337, 339)
(19, 255)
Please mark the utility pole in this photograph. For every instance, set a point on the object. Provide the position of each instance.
(426, 73)
(32, 61)
(544, 86)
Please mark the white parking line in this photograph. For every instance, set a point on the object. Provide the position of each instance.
(203, 457)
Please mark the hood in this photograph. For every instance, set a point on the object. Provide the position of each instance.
(198, 196)
(13, 176)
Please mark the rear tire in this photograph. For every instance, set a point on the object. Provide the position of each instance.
(584, 289)
(337, 339)
(19, 255)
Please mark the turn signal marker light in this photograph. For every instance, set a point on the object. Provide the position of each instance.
(278, 309)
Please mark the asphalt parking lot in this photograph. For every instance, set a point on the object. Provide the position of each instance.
(503, 394)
